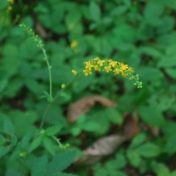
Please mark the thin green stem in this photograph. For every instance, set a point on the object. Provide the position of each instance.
(40, 45)
(44, 116)
(49, 75)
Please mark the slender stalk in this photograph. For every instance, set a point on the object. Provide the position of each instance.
(44, 116)
(40, 45)
(49, 75)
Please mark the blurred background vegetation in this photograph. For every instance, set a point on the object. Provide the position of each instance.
(133, 130)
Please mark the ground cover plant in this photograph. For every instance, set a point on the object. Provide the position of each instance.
(89, 121)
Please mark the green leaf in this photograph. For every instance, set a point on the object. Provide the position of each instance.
(94, 11)
(35, 143)
(149, 150)
(61, 161)
(152, 116)
(138, 140)
(170, 143)
(3, 84)
(53, 130)
(171, 72)
(167, 61)
(134, 157)
(114, 115)
(37, 165)
(152, 12)
(23, 121)
(160, 169)
(49, 145)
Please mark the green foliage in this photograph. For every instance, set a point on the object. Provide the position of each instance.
(139, 150)
(92, 123)
(36, 139)
(113, 166)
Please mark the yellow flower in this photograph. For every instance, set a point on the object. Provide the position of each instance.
(88, 68)
(87, 72)
(100, 63)
(123, 67)
(107, 69)
(112, 63)
(116, 71)
(74, 44)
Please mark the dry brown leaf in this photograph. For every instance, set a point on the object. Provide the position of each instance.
(131, 125)
(85, 104)
(41, 30)
(102, 147)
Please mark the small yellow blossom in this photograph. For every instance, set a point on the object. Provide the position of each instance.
(100, 63)
(116, 71)
(124, 67)
(74, 72)
(88, 68)
(74, 44)
(107, 69)
(113, 63)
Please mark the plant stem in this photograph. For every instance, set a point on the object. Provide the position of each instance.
(44, 116)
(49, 75)
(40, 45)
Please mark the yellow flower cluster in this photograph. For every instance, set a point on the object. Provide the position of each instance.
(111, 66)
